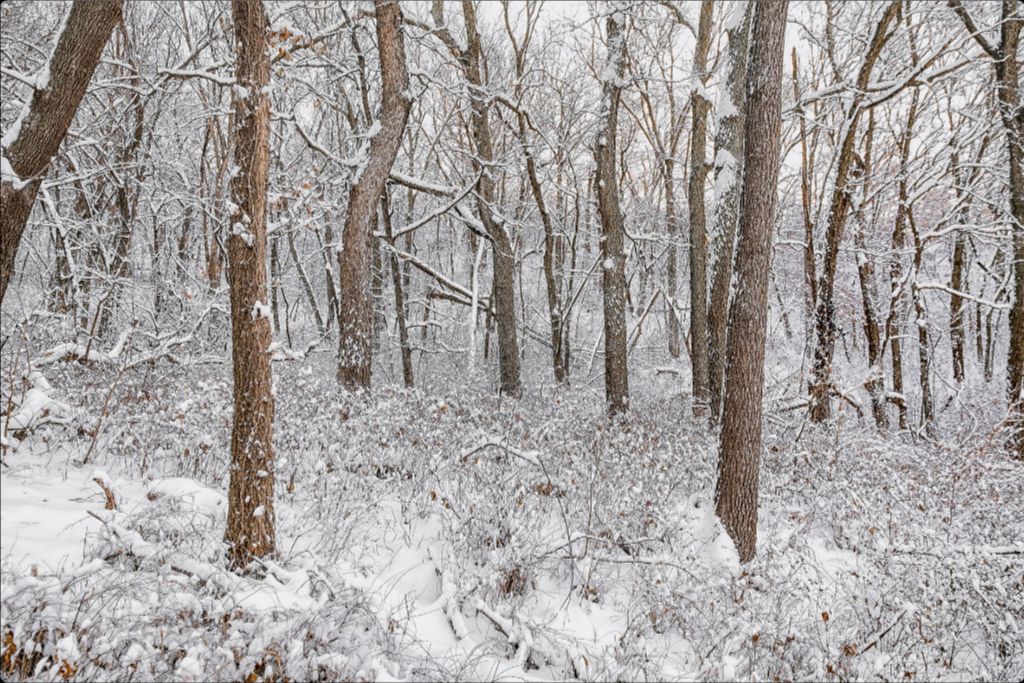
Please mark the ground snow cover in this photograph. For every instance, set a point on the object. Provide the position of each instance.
(464, 537)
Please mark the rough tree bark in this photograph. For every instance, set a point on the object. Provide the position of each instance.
(355, 339)
(695, 196)
(740, 446)
(613, 270)
(250, 528)
(34, 138)
(825, 322)
(728, 173)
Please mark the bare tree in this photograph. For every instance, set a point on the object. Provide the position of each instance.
(250, 528)
(355, 339)
(740, 445)
(36, 135)
(613, 264)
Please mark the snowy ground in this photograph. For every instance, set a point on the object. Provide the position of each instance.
(464, 537)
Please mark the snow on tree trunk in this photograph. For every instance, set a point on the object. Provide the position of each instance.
(728, 172)
(250, 527)
(613, 257)
(355, 341)
(695, 194)
(736, 493)
(35, 136)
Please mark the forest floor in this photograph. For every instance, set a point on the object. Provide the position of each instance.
(461, 536)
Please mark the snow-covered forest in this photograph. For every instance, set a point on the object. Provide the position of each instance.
(406, 340)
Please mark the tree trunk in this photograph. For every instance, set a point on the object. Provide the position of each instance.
(250, 528)
(728, 174)
(698, 229)
(613, 270)
(503, 286)
(736, 492)
(44, 121)
(355, 339)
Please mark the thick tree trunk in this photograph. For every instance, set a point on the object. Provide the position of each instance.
(740, 445)
(250, 528)
(698, 229)
(613, 264)
(728, 176)
(825, 316)
(44, 122)
(355, 339)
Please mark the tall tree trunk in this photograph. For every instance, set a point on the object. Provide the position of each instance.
(503, 285)
(698, 229)
(613, 270)
(825, 317)
(250, 528)
(43, 123)
(355, 339)
(728, 176)
(739, 462)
